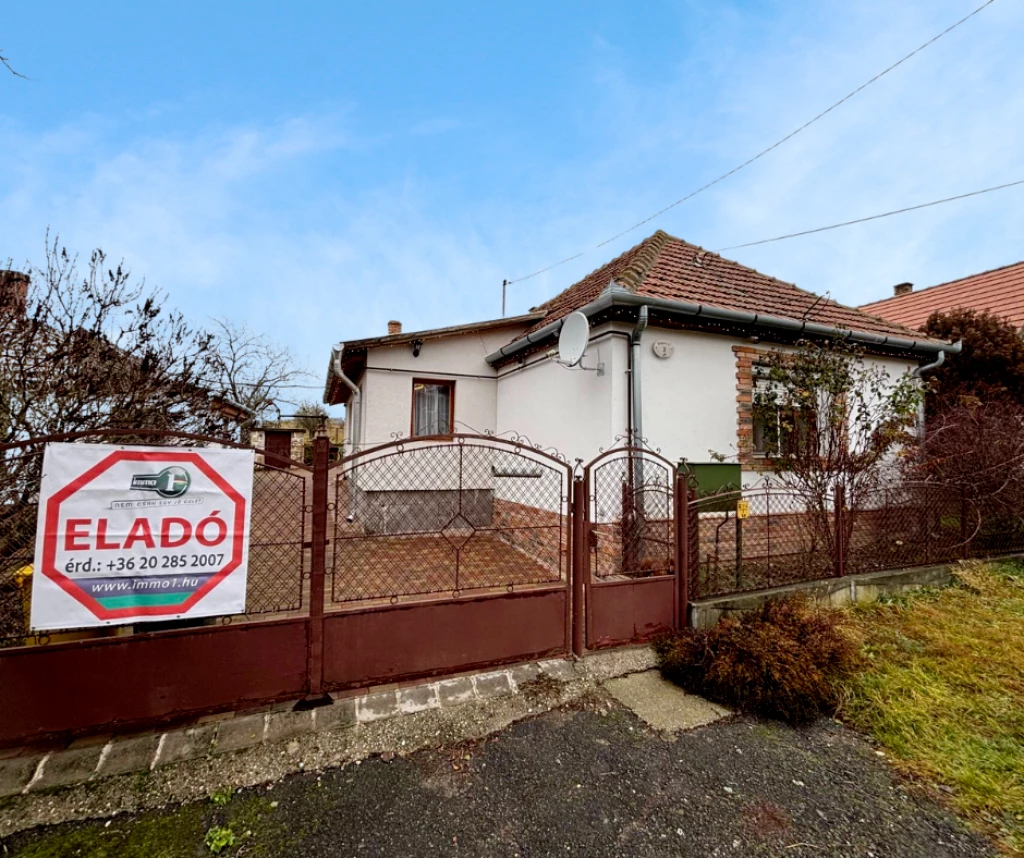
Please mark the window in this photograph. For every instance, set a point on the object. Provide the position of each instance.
(433, 407)
(781, 429)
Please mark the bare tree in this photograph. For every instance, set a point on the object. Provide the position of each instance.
(93, 349)
(826, 419)
(311, 417)
(977, 450)
(88, 350)
(249, 370)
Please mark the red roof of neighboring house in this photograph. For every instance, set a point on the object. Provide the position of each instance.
(663, 266)
(1001, 291)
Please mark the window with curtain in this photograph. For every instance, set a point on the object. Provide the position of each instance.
(432, 407)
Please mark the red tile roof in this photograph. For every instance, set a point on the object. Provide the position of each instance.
(663, 266)
(1000, 291)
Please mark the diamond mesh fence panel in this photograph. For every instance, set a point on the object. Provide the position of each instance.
(459, 518)
(631, 517)
(278, 563)
(783, 538)
(788, 536)
(909, 525)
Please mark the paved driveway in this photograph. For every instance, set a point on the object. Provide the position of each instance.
(591, 780)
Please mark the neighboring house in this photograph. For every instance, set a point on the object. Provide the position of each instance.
(675, 337)
(1000, 291)
(289, 439)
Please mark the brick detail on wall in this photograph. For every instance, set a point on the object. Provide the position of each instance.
(746, 358)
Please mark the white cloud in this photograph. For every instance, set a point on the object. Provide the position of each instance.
(273, 224)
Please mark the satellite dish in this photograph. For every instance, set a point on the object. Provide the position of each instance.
(573, 339)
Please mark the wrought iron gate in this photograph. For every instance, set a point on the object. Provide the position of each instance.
(633, 575)
(447, 554)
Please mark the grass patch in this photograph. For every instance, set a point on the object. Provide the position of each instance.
(943, 691)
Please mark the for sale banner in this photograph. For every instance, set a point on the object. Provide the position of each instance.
(140, 533)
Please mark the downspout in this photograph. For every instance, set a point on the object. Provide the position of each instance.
(355, 418)
(633, 553)
(355, 412)
(917, 372)
(636, 416)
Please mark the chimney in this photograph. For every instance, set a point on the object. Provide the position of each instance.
(902, 289)
(14, 291)
(394, 328)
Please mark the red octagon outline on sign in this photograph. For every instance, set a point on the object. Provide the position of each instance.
(51, 571)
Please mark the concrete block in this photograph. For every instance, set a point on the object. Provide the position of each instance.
(129, 754)
(661, 704)
(16, 772)
(558, 668)
(287, 725)
(191, 744)
(418, 698)
(73, 766)
(454, 692)
(524, 673)
(337, 716)
(243, 731)
(380, 704)
(492, 685)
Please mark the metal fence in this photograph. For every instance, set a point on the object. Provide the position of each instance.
(771, 534)
(278, 566)
(462, 517)
(433, 556)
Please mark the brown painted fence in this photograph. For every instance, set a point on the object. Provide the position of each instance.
(429, 556)
(411, 559)
(789, 535)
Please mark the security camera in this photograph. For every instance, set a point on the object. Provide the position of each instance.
(350, 518)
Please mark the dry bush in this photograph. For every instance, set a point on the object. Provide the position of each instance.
(787, 659)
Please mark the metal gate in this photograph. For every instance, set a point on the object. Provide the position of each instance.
(447, 554)
(633, 575)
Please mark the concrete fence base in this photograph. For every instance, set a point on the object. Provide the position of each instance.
(836, 592)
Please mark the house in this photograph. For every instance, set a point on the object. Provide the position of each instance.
(1000, 291)
(675, 335)
(291, 438)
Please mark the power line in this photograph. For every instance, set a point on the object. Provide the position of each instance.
(873, 217)
(763, 152)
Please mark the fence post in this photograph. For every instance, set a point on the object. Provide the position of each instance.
(839, 502)
(578, 565)
(682, 511)
(318, 564)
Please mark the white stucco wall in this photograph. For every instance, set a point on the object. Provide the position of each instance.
(575, 411)
(689, 398)
(386, 384)
(690, 404)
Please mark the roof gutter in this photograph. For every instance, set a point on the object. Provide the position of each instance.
(616, 296)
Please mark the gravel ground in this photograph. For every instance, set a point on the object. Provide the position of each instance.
(589, 779)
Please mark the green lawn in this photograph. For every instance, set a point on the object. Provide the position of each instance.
(943, 692)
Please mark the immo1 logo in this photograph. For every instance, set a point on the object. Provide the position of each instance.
(171, 482)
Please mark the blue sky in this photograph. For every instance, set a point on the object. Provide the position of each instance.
(316, 169)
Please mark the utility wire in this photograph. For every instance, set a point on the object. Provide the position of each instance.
(873, 217)
(763, 152)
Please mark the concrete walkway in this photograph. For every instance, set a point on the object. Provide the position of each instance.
(661, 704)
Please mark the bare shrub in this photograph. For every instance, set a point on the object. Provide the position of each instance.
(786, 660)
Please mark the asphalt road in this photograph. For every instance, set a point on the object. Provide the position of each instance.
(590, 781)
